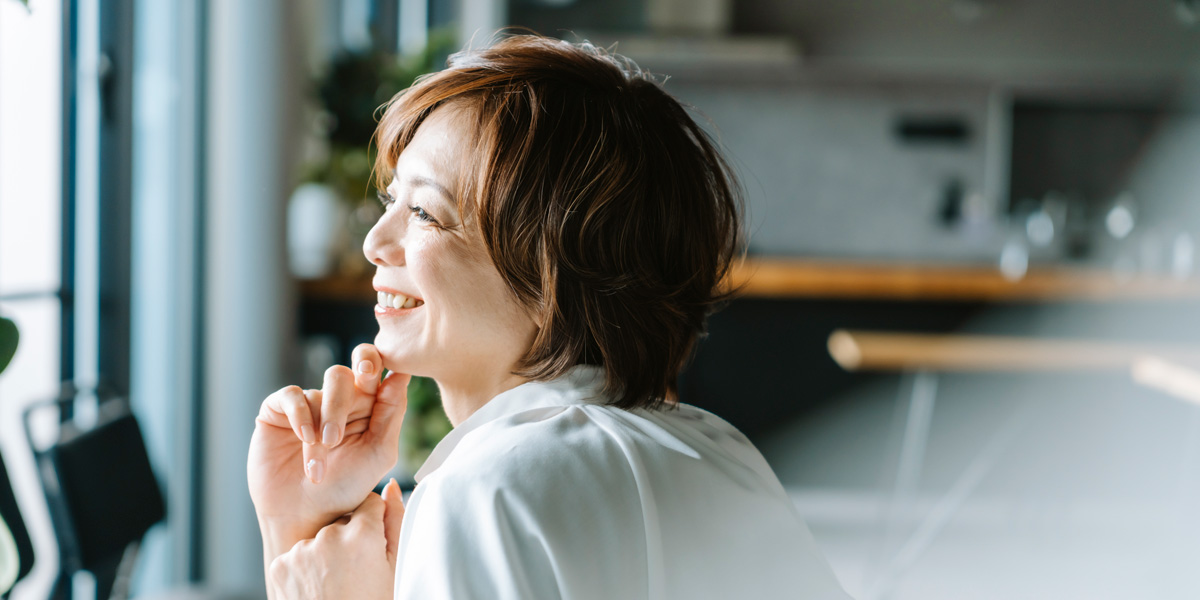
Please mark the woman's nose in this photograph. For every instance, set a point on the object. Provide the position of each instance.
(382, 245)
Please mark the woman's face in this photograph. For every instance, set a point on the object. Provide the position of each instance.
(457, 320)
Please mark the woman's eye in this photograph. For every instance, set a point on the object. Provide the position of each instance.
(421, 214)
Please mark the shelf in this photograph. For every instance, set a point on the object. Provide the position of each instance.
(784, 278)
(910, 351)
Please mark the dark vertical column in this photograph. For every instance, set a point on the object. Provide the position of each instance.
(196, 571)
(443, 13)
(385, 22)
(115, 193)
(70, 37)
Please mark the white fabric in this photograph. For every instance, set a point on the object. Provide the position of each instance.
(545, 492)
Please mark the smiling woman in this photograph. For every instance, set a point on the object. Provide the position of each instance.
(469, 329)
(556, 232)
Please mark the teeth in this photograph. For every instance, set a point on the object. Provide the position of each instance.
(387, 300)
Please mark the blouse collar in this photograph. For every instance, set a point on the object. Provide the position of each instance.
(581, 384)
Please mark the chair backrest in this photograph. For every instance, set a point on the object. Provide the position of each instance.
(100, 488)
(107, 488)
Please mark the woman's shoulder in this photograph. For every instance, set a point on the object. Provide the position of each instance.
(588, 432)
(674, 488)
(583, 446)
(552, 471)
(543, 488)
(541, 446)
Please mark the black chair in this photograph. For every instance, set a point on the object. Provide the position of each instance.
(100, 488)
(10, 514)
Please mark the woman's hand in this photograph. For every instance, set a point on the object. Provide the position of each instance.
(352, 558)
(315, 454)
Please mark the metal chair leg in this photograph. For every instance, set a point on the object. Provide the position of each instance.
(949, 504)
(910, 436)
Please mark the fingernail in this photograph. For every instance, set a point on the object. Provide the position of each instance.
(391, 489)
(306, 434)
(329, 435)
(316, 470)
(365, 366)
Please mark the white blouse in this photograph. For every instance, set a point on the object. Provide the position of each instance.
(545, 492)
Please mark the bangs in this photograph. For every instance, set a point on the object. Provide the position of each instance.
(403, 116)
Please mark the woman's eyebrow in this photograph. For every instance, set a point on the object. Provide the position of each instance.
(422, 181)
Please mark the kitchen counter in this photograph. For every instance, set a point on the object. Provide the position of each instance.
(797, 278)
(774, 277)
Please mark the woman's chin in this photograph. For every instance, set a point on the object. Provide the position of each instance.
(396, 357)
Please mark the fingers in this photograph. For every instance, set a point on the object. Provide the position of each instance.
(348, 395)
(290, 404)
(386, 511)
(393, 516)
(341, 561)
(372, 508)
(367, 365)
(314, 454)
(390, 403)
(277, 572)
(338, 398)
(280, 571)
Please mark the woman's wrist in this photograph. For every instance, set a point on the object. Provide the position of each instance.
(280, 534)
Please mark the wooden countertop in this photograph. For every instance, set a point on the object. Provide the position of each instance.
(775, 277)
(803, 278)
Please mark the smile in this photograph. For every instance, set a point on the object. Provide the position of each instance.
(397, 301)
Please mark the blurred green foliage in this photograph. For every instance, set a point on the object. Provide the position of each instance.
(9, 336)
(425, 423)
(351, 94)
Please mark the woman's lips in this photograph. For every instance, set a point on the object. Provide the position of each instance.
(392, 312)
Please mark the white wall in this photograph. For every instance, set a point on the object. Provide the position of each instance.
(825, 174)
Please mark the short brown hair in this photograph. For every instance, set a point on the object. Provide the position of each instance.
(604, 206)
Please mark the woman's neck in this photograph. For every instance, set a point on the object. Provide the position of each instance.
(463, 396)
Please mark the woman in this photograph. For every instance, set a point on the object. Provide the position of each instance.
(556, 232)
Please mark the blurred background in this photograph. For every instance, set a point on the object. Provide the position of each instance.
(968, 339)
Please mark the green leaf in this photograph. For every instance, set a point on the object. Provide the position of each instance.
(425, 423)
(8, 341)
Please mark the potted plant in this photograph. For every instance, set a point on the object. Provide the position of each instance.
(334, 206)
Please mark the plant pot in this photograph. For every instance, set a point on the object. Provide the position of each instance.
(316, 230)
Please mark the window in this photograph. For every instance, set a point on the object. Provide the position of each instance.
(31, 244)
